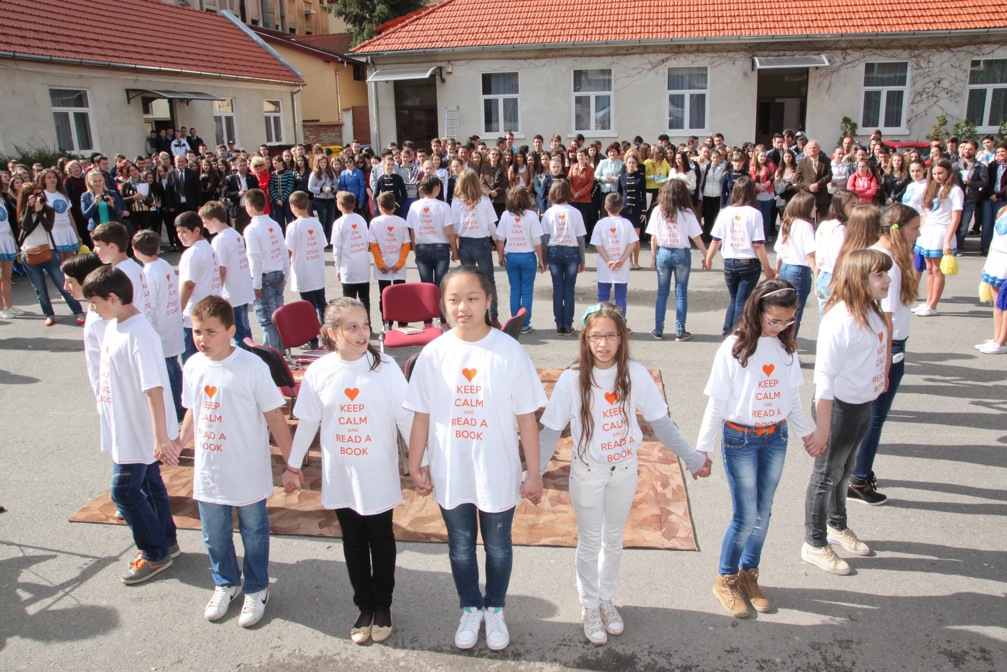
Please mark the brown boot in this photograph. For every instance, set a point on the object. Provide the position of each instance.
(748, 584)
(726, 590)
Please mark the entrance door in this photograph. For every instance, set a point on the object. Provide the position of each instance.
(416, 111)
(782, 102)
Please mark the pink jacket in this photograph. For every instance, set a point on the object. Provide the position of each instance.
(863, 187)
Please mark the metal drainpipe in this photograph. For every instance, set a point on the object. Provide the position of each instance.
(339, 100)
(293, 108)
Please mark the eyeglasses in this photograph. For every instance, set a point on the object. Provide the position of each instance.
(598, 338)
(778, 323)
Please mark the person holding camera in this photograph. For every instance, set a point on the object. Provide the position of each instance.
(99, 204)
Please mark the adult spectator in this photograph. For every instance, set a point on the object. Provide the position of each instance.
(179, 146)
(896, 179)
(972, 177)
(99, 162)
(233, 192)
(322, 183)
(494, 182)
(775, 154)
(99, 204)
(150, 146)
(75, 186)
(194, 140)
(281, 186)
(209, 182)
(182, 194)
(163, 142)
(353, 180)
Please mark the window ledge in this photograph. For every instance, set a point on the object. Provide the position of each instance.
(592, 134)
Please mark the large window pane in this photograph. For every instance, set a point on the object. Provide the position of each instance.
(893, 109)
(229, 127)
(993, 71)
(82, 124)
(500, 83)
(582, 112)
(886, 74)
(510, 114)
(218, 127)
(64, 138)
(676, 111)
(603, 113)
(998, 107)
(491, 115)
(697, 111)
(684, 79)
(67, 98)
(872, 109)
(589, 81)
(223, 107)
(976, 107)
(271, 106)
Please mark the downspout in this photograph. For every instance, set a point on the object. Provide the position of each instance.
(372, 108)
(293, 108)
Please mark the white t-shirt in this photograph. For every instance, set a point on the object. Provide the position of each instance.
(939, 214)
(760, 393)
(131, 364)
(94, 334)
(828, 241)
(674, 234)
(850, 359)
(141, 291)
(167, 317)
(230, 248)
(615, 235)
(739, 227)
(477, 221)
(61, 205)
(199, 266)
(472, 392)
(798, 245)
(361, 416)
(350, 249)
(564, 225)
(306, 244)
(892, 303)
(617, 435)
(227, 400)
(427, 218)
(390, 233)
(266, 250)
(520, 233)
(913, 195)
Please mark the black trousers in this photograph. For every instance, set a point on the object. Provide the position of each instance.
(381, 304)
(710, 210)
(361, 291)
(369, 550)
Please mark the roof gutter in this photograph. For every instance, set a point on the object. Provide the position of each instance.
(259, 41)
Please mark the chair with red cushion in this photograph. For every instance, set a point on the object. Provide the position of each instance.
(297, 324)
(512, 327)
(411, 302)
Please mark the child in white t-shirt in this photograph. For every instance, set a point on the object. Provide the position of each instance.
(389, 241)
(232, 259)
(198, 273)
(615, 239)
(995, 275)
(134, 407)
(754, 403)
(75, 270)
(306, 243)
(795, 249)
(565, 242)
(167, 311)
(604, 466)
(355, 394)
(520, 233)
(111, 242)
(268, 262)
(469, 389)
(350, 251)
(233, 405)
(851, 370)
(431, 232)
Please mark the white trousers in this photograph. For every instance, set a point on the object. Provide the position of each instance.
(602, 497)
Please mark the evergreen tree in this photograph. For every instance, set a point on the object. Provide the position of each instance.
(364, 16)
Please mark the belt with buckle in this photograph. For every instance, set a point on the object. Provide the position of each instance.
(758, 431)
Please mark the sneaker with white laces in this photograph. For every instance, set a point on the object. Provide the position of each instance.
(993, 348)
(980, 346)
(594, 629)
(497, 635)
(825, 559)
(220, 602)
(254, 608)
(926, 311)
(848, 540)
(611, 617)
(468, 628)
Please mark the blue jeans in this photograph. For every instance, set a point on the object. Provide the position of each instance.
(800, 278)
(968, 211)
(495, 528)
(139, 493)
(433, 261)
(864, 468)
(989, 213)
(36, 275)
(190, 344)
(741, 276)
(822, 290)
(766, 208)
(242, 329)
(563, 264)
(317, 299)
(521, 270)
(266, 305)
(326, 209)
(175, 382)
(218, 535)
(605, 294)
(677, 262)
(753, 465)
(479, 252)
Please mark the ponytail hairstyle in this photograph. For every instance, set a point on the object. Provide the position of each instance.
(801, 206)
(851, 283)
(585, 364)
(468, 188)
(841, 202)
(895, 217)
(673, 198)
(863, 229)
(774, 293)
(936, 191)
(333, 317)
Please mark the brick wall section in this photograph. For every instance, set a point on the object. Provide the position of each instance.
(324, 133)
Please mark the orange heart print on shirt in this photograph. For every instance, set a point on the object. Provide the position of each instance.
(351, 392)
(469, 374)
(517, 220)
(391, 228)
(353, 225)
(311, 232)
(426, 210)
(612, 230)
(210, 390)
(562, 218)
(768, 369)
(270, 229)
(611, 397)
(881, 336)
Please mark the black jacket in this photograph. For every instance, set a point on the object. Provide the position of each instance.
(230, 188)
(174, 193)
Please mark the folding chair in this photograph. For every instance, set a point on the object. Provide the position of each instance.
(512, 327)
(410, 302)
(278, 369)
(297, 324)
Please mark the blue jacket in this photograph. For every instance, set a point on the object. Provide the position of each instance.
(353, 182)
(89, 208)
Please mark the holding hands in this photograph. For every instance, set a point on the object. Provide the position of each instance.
(421, 480)
(704, 472)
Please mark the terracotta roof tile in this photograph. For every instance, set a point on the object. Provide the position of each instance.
(131, 33)
(336, 43)
(487, 23)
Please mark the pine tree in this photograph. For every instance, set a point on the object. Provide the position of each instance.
(364, 16)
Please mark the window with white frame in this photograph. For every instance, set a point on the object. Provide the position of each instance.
(274, 121)
(688, 91)
(223, 121)
(501, 102)
(72, 116)
(592, 100)
(987, 99)
(886, 91)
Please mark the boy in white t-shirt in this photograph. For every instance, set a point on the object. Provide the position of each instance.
(198, 273)
(233, 406)
(350, 251)
(235, 276)
(75, 270)
(167, 313)
(389, 241)
(134, 408)
(111, 242)
(306, 244)
(615, 238)
(269, 263)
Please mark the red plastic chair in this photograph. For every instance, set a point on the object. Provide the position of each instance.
(416, 302)
(512, 327)
(283, 378)
(297, 324)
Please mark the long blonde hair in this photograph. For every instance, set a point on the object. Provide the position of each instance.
(468, 188)
(851, 283)
(90, 177)
(896, 216)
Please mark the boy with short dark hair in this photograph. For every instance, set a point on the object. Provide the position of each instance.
(350, 251)
(305, 242)
(111, 244)
(269, 263)
(134, 408)
(389, 241)
(235, 278)
(198, 273)
(75, 271)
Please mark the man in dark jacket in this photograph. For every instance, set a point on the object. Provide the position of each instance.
(814, 172)
(182, 194)
(233, 192)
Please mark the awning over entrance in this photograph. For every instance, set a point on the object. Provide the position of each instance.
(187, 96)
(775, 62)
(401, 74)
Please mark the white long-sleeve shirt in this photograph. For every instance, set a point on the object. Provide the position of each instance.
(266, 250)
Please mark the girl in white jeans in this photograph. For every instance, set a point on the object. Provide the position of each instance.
(600, 408)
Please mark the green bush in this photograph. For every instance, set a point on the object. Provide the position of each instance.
(47, 156)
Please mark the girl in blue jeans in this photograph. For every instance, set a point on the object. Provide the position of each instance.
(754, 402)
(565, 239)
(795, 249)
(519, 244)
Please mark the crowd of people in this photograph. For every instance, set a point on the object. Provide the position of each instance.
(861, 230)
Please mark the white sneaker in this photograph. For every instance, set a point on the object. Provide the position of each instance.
(993, 348)
(847, 539)
(14, 311)
(594, 629)
(920, 307)
(221, 601)
(7, 315)
(824, 558)
(611, 618)
(980, 346)
(468, 628)
(497, 636)
(926, 311)
(254, 608)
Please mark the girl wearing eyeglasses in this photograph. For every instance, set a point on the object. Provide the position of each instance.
(754, 404)
(599, 397)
